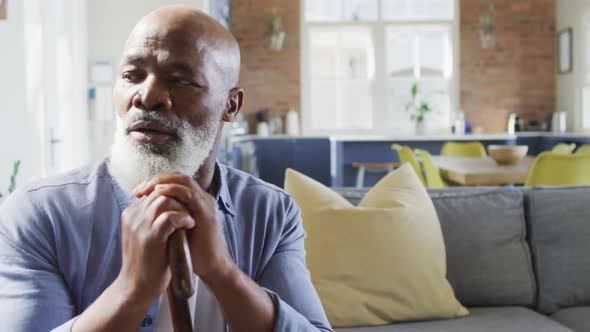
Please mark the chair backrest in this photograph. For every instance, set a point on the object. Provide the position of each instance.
(564, 148)
(558, 169)
(433, 178)
(406, 155)
(463, 149)
(585, 148)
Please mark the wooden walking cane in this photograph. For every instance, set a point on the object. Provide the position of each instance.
(181, 286)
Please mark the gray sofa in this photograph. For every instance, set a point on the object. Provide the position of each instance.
(518, 258)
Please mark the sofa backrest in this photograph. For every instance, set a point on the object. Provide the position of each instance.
(559, 231)
(488, 257)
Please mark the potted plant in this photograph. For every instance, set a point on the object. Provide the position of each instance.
(12, 186)
(417, 110)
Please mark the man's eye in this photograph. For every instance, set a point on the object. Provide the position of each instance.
(131, 76)
(181, 81)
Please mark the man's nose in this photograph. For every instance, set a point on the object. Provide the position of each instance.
(152, 96)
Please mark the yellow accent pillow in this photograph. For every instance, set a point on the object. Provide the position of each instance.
(381, 262)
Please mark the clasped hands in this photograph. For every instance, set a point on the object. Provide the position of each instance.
(165, 203)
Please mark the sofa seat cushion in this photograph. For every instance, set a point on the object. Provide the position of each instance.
(576, 318)
(490, 319)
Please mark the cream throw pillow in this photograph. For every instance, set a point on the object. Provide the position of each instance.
(381, 262)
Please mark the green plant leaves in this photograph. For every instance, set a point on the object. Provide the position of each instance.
(15, 169)
(417, 113)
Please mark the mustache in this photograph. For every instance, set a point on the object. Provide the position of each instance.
(155, 117)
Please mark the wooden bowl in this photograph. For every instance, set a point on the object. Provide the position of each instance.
(507, 154)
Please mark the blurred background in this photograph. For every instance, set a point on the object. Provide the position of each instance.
(310, 68)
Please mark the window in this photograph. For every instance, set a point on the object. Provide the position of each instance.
(585, 62)
(361, 58)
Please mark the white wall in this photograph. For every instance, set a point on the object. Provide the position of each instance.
(109, 24)
(570, 14)
(19, 132)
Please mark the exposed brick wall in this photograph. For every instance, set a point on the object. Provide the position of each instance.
(271, 79)
(519, 75)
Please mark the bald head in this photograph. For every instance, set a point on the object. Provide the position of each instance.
(186, 28)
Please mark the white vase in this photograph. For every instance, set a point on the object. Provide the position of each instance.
(420, 128)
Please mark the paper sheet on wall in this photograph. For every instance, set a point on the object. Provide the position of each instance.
(3, 10)
(586, 108)
(101, 72)
(104, 104)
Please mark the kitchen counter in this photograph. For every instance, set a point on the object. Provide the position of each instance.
(429, 137)
(329, 159)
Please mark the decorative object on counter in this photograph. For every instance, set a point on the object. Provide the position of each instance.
(275, 124)
(262, 127)
(507, 154)
(564, 51)
(417, 110)
(292, 123)
(515, 123)
(487, 28)
(277, 31)
(536, 125)
(15, 170)
(559, 122)
(468, 128)
(459, 124)
(3, 9)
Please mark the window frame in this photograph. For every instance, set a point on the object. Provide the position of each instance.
(379, 89)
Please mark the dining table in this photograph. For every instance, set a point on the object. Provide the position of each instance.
(482, 171)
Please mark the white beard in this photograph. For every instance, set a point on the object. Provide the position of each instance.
(132, 163)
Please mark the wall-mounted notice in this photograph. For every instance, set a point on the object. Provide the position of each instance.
(101, 72)
(3, 9)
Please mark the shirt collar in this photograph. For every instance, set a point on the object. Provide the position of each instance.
(222, 195)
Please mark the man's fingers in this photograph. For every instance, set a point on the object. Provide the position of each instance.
(195, 201)
(169, 221)
(148, 186)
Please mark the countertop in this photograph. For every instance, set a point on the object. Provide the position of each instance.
(434, 137)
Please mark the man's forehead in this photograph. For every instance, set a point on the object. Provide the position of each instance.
(162, 51)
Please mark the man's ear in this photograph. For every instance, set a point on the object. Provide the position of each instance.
(234, 104)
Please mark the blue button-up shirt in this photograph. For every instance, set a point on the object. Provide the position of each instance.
(60, 248)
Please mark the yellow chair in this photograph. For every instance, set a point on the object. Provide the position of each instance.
(463, 149)
(564, 148)
(406, 155)
(585, 148)
(433, 178)
(558, 169)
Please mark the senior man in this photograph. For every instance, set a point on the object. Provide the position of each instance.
(86, 251)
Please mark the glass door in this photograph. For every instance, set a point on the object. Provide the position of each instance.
(56, 76)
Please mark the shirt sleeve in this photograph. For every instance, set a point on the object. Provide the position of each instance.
(288, 281)
(33, 294)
